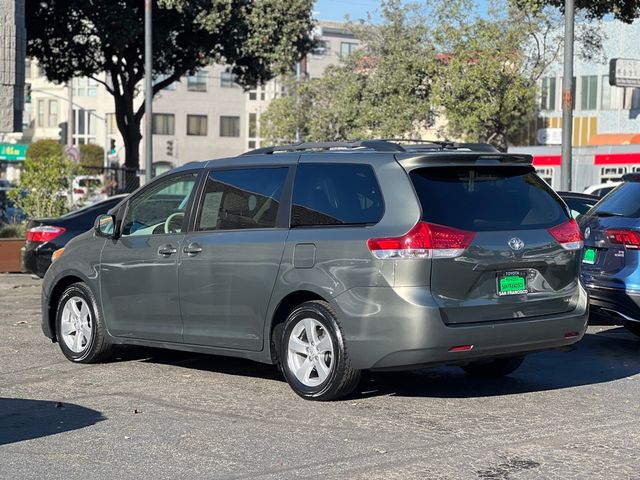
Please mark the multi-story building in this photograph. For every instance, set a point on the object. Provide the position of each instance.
(203, 116)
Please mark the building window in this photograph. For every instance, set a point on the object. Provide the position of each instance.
(197, 82)
(253, 95)
(53, 113)
(321, 48)
(347, 48)
(171, 87)
(228, 80)
(85, 87)
(588, 92)
(41, 113)
(164, 124)
(252, 144)
(262, 93)
(548, 97)
(84, 127)
(253, 125)
(197, 125)
(229, 126)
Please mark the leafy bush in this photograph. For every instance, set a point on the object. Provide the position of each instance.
(13, 230)
(42, 187)
(44, 149)
(91, 156)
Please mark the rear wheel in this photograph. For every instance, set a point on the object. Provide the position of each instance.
(79, 328)
(633, 327)
(498, 367)
(313, 355)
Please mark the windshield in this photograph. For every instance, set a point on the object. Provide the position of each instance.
(624, 201)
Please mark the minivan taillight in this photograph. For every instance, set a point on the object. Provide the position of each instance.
(568, 235)
(44, 233)
(424, 240)
(629, 238)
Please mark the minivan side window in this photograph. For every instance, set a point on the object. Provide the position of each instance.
(241, 199)
(336, 194)
(161, 209)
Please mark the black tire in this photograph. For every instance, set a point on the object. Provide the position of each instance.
(97, 349)
(342, 378)
(633, 327)
(498, 367)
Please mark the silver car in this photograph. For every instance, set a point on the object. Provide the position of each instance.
(330, 259)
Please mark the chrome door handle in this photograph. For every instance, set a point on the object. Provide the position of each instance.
(192, 249)
(167, 250)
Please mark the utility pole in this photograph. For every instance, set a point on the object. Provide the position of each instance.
(567, 96)
(298, 78)
(148, 91)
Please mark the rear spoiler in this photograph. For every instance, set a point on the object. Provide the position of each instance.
(463, 159)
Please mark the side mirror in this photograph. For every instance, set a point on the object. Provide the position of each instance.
(105, 226)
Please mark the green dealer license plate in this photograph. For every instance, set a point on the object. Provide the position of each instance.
(512, 283)
(589, 256)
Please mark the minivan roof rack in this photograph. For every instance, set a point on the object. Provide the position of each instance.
(376, 145)
(386, 145)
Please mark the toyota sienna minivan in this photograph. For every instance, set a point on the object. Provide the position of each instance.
(329, 259)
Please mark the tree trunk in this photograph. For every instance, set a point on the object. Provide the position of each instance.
(129, 127)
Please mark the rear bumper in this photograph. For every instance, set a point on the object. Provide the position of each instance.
(36, 258)
(402, 328)
(617, 302)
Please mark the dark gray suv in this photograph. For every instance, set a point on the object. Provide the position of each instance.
(330, 259)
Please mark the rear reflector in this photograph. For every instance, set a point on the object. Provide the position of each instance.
(44, 233)
(571, 334)
(461, 348)
(425, 240)
(629, 238)
(568, 235)
(79, 190)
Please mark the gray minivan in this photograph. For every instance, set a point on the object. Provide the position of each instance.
(329, 259)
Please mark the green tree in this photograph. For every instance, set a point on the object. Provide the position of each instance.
(42, 182)
(77, 38)
(624, 10)
(381, 90)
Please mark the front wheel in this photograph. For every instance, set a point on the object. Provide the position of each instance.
(633, 327)
(79, 328)
(313, 355)
(498, 367)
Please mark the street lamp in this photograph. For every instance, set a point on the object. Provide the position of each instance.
(148, 91)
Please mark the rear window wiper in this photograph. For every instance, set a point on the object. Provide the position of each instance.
(599, 213)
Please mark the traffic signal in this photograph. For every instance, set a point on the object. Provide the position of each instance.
(112, 146)
(169, 148)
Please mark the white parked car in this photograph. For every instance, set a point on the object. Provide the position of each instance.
(88, 189)
(601, 189)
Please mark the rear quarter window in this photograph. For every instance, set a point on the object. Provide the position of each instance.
(487, 198)
(336, 194)
(624, 200)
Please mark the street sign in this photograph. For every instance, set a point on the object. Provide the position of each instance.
(73, 153)
(624, 72)
(549, 136)
(13, 152)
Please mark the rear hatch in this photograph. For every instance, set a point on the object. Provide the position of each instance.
(612, 238)
(520, 255)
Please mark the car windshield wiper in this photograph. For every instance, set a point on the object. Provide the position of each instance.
(607, 214)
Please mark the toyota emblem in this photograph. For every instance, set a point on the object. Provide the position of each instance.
(516, 244)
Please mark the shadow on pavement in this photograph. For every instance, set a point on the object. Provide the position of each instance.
(600, 357)
(22, 419)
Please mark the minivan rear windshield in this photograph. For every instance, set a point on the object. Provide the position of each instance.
(624, 201)
(487, 198)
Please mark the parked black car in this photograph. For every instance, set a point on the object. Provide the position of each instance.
(579, 203)
(46, 235)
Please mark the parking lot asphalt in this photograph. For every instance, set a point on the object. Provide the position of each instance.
(158, 414)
